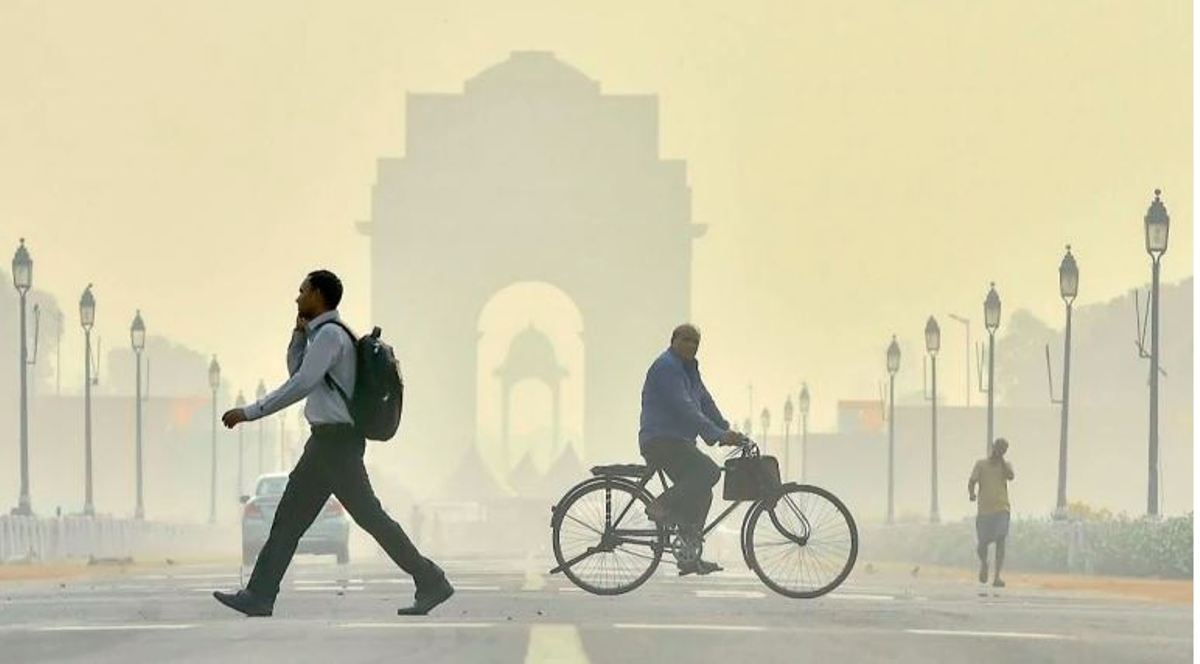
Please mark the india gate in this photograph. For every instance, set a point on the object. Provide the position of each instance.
(530, 175)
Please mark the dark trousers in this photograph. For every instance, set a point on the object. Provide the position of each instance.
(692, 473)
(332, 463)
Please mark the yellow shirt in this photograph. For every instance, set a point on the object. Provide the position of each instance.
(992, 477)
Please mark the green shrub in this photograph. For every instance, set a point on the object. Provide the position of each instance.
(1097, 543)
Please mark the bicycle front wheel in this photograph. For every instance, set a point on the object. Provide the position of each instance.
(603, 540)
(802, 544)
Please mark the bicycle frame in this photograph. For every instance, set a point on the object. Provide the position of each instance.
(614, 536)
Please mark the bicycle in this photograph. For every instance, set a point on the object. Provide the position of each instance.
(800, 540)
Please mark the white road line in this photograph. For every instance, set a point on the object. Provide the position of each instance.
(747, 594)
(326, 582)
(862, 597)
(555, 643)
(570, 589)
(403, 582)
(1002, 635)
(327, 588)
(418, 625)
(110, 628)
(487, 588)
(203, 576)
(715, 628)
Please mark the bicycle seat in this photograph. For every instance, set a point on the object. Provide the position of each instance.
(621, 470)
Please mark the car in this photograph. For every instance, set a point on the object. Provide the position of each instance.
(329, 533)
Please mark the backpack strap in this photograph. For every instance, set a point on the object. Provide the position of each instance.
(329, 379)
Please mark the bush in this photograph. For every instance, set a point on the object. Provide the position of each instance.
(1093, 542)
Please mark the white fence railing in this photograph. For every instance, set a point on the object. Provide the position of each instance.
(57, 538)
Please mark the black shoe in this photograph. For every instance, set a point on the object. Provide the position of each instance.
(429, 594)
(246, 602)
(700, 567)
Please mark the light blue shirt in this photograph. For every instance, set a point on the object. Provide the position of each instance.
(311, 355)
(677, 405)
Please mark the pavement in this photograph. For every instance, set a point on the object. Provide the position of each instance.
(510, 610)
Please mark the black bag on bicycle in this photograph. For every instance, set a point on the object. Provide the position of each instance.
(751, 478)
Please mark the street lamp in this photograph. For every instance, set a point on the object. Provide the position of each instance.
(746, 425)
(87, 318)
(765, 418)
(1068, 288)
(1158, 226)
(259, 394)
(137, 339)
(933, 343)
(991, 320)
(22, 273)
(240, 402)
(788, 414)
(893, 365)
(804, 405)
(214, 381)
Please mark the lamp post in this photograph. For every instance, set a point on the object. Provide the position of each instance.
(1158, 225)
(933, 343)
(262, 431)
(748, 427)
(1068, 287)
(214, 381)
(893, 365)
(765, 418)
(87, 318)
(804, 404)
(991, 320)
(137, 339)
(788, 414)
(240, 402)
(22, 273)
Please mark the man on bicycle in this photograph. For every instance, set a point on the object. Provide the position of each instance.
(676, 408)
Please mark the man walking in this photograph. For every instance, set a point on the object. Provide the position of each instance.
(321, 361)
(991, 524)
(676, 407)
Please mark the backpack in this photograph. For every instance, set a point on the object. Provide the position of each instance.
(378, 387)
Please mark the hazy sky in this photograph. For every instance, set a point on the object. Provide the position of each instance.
(859, 165)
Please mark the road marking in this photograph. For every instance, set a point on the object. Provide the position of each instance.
(204, 576)
(326, 582)
(489, 588)
(570, 589)
(715, 628)
(418, 625)
(403, 582)
(555, 643)
(109, 628)
(327, 588)
(1002, 635)
(747, 594)
(861, 596)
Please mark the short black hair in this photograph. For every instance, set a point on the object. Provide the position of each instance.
(680, 329)
(328, 284)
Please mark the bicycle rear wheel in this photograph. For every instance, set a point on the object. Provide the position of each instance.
(802, 544)
(603, 540)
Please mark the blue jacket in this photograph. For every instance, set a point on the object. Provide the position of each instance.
(675, 403)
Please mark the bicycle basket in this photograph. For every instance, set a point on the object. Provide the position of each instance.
(751, 478)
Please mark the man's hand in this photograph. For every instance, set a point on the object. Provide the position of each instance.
(731, 438)
(233, 417)
(301, 323)
(972, 496)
